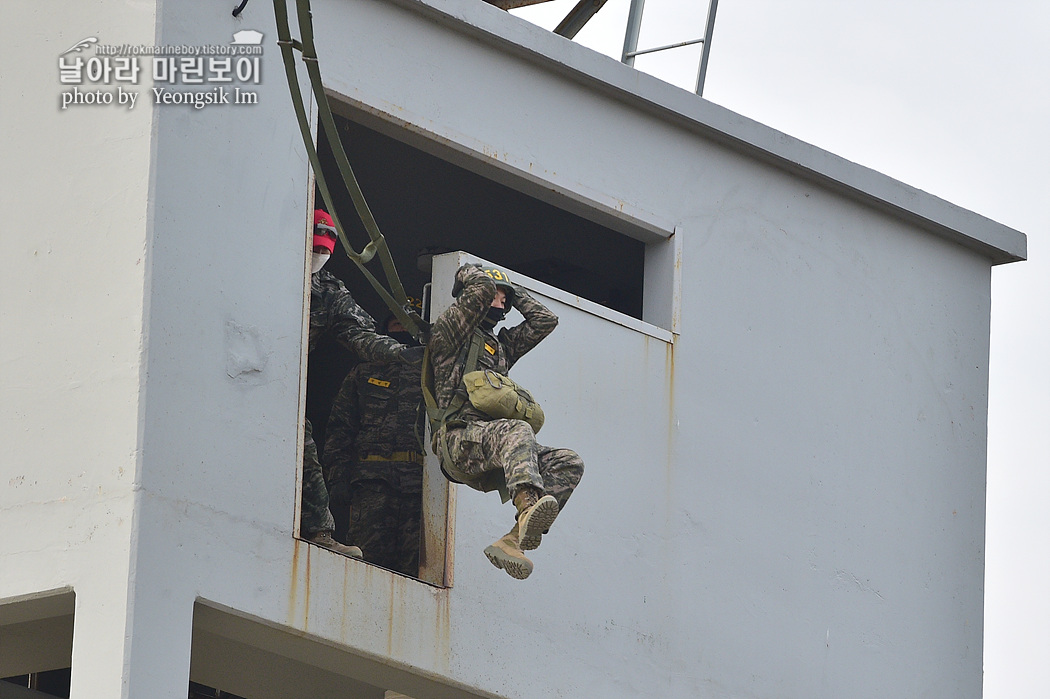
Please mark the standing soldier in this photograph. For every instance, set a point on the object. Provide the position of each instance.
(375, 462)
(485, 437)
(334, 311)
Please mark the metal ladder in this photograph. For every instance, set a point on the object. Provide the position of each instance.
(634, 25)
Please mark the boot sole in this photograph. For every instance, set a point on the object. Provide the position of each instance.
(535, 522)
(516, 568)
(349, 551)
(342, 549)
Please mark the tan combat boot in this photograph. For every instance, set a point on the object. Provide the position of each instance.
(324, 538)
(506, 554)
(536, 513)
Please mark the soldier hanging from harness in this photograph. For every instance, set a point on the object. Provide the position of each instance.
(483, 424)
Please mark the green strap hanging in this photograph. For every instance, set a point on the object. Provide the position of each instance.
(436, 415)
(395, 299)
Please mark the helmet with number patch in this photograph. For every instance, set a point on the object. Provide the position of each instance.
(502, 280)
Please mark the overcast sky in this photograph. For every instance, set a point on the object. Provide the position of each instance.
(952, 97)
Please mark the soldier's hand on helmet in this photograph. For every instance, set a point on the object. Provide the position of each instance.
(464, 275)
(412, 355)
(519, 293)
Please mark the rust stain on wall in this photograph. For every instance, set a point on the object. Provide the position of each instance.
(391, 619)
(293, 587)
(344, 619)
(669, 372)
(300, 581)
(442, 630)
(450, 534)
(672, 426)
(306, 590)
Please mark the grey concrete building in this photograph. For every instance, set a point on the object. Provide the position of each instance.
(773, 361)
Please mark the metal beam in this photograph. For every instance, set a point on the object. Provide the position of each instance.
(513, 4)
(577, 17)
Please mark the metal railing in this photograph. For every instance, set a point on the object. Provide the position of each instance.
(634, 26)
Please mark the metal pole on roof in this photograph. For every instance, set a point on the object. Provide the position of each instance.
(634, 25)
(709, 29)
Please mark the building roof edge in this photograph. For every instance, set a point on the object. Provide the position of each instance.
(1000, 243)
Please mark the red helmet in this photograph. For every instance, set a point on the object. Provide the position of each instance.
(324, 230)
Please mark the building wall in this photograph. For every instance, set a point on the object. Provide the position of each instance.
(841, 364)
(812, 521)
(73, 266)
(785, 501)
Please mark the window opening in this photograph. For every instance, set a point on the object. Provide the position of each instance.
(426, 205)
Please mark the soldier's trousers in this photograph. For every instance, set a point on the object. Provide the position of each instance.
(385, 518)
(315, 514)
(511, 446)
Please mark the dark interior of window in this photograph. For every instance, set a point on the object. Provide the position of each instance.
(425, 204)
(50, 683)
(55, 683)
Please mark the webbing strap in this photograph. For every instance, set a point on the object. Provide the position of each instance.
(395, 299)
(493, 480)
(436, 415)
(475, 350)
(412, 456)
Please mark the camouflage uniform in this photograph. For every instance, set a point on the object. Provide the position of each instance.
(373, 450)
(333, 311)
(480, 446)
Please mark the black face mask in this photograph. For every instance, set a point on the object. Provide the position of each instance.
(493, 316)
(404, 337)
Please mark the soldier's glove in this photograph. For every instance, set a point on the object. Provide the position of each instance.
(412, 355)
(519, 293)
(457, 287)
